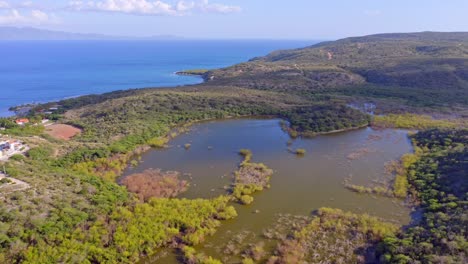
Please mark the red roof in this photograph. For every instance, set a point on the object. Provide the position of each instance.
(22, 120)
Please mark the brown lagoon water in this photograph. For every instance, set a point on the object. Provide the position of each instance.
(299, 185)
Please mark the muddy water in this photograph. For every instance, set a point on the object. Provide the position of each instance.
(299, 184)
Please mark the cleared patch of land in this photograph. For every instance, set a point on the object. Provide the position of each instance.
(62, 131)
(8, 184)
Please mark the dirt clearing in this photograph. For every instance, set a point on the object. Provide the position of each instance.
(62, 131)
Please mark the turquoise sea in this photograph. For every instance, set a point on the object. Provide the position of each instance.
(41, 71)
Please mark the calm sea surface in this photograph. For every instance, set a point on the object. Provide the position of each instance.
(41, 71)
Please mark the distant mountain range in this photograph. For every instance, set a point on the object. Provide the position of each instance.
(28, 33)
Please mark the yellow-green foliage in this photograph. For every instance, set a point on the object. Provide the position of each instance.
(246, 199)
(229, 212)
(191, 256)
(245, 189)
(249, 178)
(333, 236)
(131, 232)
(364, 223)
(108, 169)
(400, 186)
(247, 154)
(300, 152)
(248, 261)
(158, 142)
(293, 133)
(414, 121)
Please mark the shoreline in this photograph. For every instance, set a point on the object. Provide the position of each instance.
(5, 113)
(31, 105)
(313, 134)
(181, 128)
(195, 73)
(185, 73)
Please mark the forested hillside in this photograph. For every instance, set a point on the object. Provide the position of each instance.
(397, 67)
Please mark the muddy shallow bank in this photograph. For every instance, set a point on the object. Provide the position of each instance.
(299, 185)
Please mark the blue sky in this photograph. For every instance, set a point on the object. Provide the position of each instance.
(292, 19)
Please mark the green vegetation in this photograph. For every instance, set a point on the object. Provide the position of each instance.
(149, 114)
(73, 216)
(40, 153)
(413, 121)
(22, 131)
(300, 152)
(245, 198)
(158, 142)
(435, 175)
(419, 72)
(7, 123)
(5, 181)
(193, 72)
(248, 261)
(319, 119)
(400, 169)
(191, 256)
(17, 157)
(438, 178)
(334, 236)
(247, 155)
(249, 178)
(74, 186)
(132, 232)
(379, 190)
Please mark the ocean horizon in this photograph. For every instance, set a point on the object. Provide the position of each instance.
(42, 71)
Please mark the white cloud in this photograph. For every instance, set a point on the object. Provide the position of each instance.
(24, 13)
(141, 7)
(218, 8)
(34, 17)
(183, 6)
(148, 7)
(4, 5)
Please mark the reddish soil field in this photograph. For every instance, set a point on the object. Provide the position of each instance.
(61, 131)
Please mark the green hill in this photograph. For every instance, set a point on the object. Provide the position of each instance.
(427, 61)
